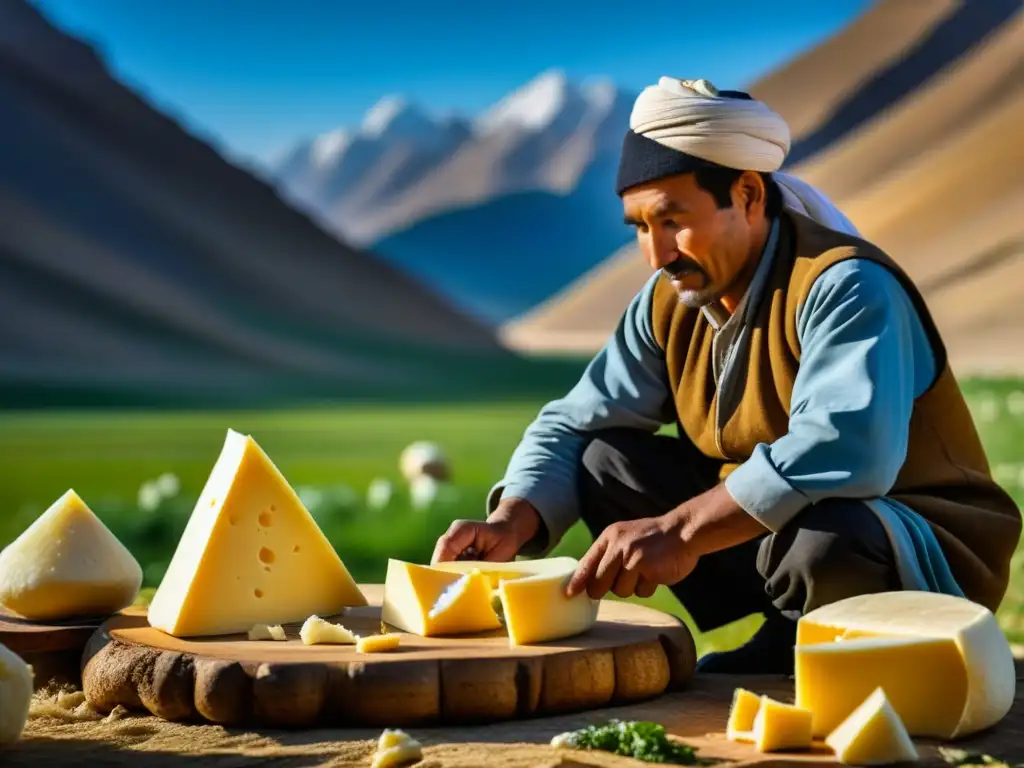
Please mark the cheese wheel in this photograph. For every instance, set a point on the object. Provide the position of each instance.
(944, 662)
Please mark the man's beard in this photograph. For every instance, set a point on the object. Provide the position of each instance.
(692, 298)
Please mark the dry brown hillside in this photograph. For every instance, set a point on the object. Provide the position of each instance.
(910, 120)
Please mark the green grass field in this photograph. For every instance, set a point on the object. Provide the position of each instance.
(331, 456)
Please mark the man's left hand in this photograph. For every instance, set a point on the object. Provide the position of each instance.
(633, 558)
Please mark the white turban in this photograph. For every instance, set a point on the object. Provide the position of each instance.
(691, 117)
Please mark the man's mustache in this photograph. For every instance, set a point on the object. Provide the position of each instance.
(683, 266)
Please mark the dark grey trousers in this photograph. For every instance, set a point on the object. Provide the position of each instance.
(830, 550)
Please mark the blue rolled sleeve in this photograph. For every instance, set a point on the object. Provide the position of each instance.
(865, 357)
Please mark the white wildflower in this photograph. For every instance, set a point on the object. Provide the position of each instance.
(149, 496)
(168, 484)
(424, 491)
(1015, 402)
(378, 495)
(988, 408)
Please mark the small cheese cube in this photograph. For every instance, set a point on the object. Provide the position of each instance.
(316, 631)
(378, 643)
(265, 632)
(15, 694)
(745, 706)
(873, 734)
(779, 726)
(945, 664)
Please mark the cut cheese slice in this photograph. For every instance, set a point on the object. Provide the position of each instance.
(873, 734)
(378, 643)
(67, 563)
(971, 689)
(316, 631)
(251, 553)
(779, 726)
(536, 609)
(740, 725)
(432, 602)
(265, 632)
(15, 694)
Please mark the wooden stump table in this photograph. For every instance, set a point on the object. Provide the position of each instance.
(631, 654)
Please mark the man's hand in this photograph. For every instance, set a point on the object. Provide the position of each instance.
(634, 557)
(498, 539)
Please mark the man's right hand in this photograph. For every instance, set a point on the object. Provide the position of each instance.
(498, 539)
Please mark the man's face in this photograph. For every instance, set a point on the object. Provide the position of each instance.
(703, 248)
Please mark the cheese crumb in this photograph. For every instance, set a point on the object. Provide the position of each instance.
(267, 632)
(395, 747)
(378, 643)
(316, 631)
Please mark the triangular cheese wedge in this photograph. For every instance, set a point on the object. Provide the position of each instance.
(745, 706)
(67, 563)
(873, 734)
(429, 601)
(251, 554)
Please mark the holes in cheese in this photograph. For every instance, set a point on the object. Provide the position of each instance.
(945, 664)
(779, 726)
(67, 563)
(15, 694)
(216, 582)
(317, 631)
(378, 643)
(740, 725)
(430, 602)
(873, 734)
(265, 632)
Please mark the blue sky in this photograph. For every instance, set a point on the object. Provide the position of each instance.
(255, 76)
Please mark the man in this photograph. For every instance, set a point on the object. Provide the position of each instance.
(824, 447)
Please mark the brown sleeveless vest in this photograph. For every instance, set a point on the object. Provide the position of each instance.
(945, 477)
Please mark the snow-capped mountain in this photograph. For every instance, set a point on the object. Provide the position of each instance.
(408, 183)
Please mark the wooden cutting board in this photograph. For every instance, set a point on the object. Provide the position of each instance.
(632, 653)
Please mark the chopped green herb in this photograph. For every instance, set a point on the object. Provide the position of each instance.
(633, 738)
(966, 759)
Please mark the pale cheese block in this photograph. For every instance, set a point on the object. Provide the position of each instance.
(535, 608)
(317, 631)
(251, 553)
(971, 689)
(395, 747)
(779, 726)
(67, 563)
(378, 643)
(740, 725)
(16, 686)
(431, 602)
(265, 632)
(873, 734)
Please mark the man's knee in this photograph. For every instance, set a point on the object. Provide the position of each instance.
(608, 455)
(832, 550)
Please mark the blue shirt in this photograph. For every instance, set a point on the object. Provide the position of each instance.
(865, 358)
